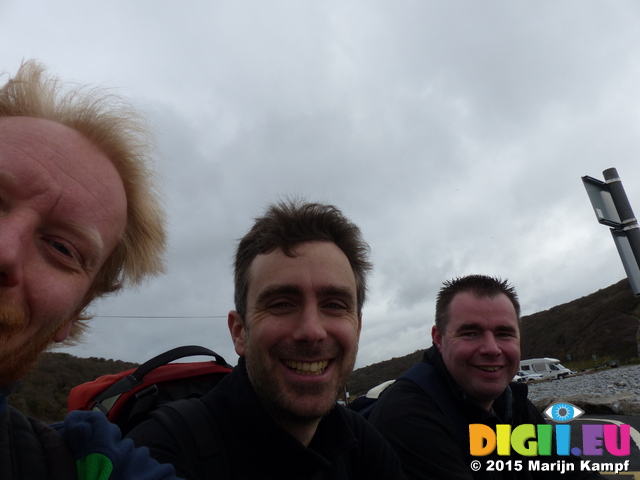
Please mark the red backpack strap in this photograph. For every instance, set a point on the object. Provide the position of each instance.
(105, 401)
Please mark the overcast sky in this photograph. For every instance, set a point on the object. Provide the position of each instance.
(454, 133)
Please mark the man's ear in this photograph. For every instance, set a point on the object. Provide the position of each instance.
(236, 328)
(436, 337)
(65, 329)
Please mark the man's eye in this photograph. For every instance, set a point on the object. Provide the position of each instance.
(62, 248)
(63, 253)
(334, 305)
(281, 304)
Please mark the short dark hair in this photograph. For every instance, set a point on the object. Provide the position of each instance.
(289, 223)
(481, 286)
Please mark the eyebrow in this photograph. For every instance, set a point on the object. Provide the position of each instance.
(336, 291)
(477, 326)
(90, 236)
(93, 240)
(325, 291)
(279, 290)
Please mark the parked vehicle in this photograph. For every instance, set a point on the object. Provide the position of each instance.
(527, 377)
(547, 367)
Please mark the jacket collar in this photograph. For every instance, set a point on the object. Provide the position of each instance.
(503, 406)
(271, 444)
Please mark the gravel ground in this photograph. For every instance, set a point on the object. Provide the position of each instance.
(605, 382)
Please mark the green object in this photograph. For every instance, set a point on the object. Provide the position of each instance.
(94, 466)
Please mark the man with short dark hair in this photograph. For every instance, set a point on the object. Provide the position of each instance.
(465, 379)
(300, 283)
(79, 218)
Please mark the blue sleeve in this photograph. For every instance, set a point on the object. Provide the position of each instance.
(96, 444)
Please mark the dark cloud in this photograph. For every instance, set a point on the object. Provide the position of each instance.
(455, 134)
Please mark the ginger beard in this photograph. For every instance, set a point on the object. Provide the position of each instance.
(17, 361)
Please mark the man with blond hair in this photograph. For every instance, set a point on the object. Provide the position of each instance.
(80, 218)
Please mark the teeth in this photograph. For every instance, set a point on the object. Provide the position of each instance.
(305, 368)
(489, 369)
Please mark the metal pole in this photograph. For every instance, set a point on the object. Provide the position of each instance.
(627, 217)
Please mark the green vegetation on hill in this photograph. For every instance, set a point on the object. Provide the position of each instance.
(367, 377)
(601, 324)
(43, 393)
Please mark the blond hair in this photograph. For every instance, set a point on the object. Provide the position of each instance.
(121, 132)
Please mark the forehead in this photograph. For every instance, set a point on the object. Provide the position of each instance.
(466, 309)
(64, 176)
(313, 265)
(34, 145)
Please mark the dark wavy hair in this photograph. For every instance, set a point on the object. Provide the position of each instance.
(292, 222)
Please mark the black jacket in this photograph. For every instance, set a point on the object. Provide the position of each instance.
(29, 449)
(425, 438)
(345, 445)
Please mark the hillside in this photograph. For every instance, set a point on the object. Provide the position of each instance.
(43, 393)
(367, 377)
(602, 323)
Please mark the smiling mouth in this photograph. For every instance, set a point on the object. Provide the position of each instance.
(489, 369)
(306, 368)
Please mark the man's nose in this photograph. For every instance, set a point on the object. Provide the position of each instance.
(12, 245)
(310, 327)
(490, 345)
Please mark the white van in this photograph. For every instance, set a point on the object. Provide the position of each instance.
(548, 367)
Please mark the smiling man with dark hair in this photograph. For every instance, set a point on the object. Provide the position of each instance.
(300, 285)
(464, 378)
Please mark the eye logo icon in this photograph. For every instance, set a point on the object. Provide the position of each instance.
(563, 412)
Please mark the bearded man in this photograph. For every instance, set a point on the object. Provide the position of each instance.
(300, 283)
(79, 219)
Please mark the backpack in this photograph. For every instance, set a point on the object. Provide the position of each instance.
(425, 376)
(128, 398)
(168, 392)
